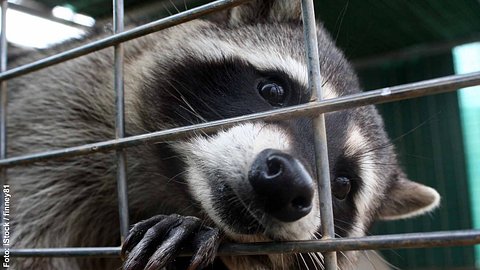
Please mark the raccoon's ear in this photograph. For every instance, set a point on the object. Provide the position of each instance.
(258, 11)
(407, 199)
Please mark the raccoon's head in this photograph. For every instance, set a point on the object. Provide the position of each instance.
(257, 181)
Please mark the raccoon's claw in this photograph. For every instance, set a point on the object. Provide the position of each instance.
(155, 242)
(205, 245)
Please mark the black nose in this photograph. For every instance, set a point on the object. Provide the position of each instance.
(282, 184)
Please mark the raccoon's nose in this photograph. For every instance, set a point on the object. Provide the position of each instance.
(283, 184)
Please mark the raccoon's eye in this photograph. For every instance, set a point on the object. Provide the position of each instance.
(341, 187)
(272, 92)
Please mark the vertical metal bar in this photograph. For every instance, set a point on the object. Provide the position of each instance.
(118, 24)
(3, 109)
(3, 85)
(321, 151)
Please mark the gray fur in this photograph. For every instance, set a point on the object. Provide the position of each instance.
(73, 202)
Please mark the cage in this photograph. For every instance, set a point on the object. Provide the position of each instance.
(416, 56)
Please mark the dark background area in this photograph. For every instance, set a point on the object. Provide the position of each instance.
(391, 43)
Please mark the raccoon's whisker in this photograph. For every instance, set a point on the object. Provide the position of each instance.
(246, 207)
(417, 156)
(315, 259)
(337, 236)
(183, 117)
(391, 143)
(341, 17)
(297, 261)
(385, 261)
(346, 223)
(365, 254)
(378, 163)
(201, 133)
(312, 260)
(172, 157)
(261, 128)
(304, 262)
(205, 221)
(319, 259)
(347, 259)
(174, 6)
(167, 9)
(183, 100)
(367, 151)
(185, 5)
(197, 98)
(177, 175)
(338, 226)
(193, 110)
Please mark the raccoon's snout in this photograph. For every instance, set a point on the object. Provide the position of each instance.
(282, 184)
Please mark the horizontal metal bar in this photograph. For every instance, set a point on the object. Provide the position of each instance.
(121, 37)
(391, 241)
(66, 252)
(400, 92)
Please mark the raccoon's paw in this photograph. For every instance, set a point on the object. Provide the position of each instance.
(155, 243)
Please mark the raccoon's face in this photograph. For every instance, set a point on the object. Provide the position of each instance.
(257, 181)
(254, 178)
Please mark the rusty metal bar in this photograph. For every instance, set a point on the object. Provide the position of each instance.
(320, 132)
(118, 27)
(382, 95)
(122, 37)
(391, 241)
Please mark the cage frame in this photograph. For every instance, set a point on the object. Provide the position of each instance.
(315, 109)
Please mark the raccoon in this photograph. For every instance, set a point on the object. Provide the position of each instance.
(251, 182)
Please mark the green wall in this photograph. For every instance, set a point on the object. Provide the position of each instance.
(432, 153)
(467, 59)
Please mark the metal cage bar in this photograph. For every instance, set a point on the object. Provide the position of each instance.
(118, 27)
(3, 89)
(121, 37)
(3, 108)
(382, 95)
(320, 133)
(408, 240)
(329, 245)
